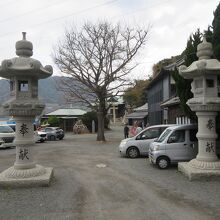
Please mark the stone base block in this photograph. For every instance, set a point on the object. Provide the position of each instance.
(40, 180)
(198, 174)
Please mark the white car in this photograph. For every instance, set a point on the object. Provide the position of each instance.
(7, 136)
(40, 136)
(139, 144)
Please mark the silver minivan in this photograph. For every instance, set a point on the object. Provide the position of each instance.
(139, 144)
(175, 144)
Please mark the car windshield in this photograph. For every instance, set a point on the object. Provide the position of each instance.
(149, 134)
(163, 135)
(6, 129)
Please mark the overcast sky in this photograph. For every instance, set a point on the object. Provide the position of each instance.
(172, 21)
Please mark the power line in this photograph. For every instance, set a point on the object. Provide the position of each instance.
(72, 14)
(62, 17)
(32, 11)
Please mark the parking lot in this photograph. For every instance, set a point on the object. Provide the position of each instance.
(91, 181)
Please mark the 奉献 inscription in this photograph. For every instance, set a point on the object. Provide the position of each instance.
(24, 129)
(210, 147)
(210, 124)
(23, 154)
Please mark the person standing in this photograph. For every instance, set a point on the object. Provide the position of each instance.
(139, 128)
(126, 131)
(133, 129)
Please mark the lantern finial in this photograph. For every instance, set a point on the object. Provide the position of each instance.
(24, 35)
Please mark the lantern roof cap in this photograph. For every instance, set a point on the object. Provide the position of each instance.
(23, 47)
(204, 50)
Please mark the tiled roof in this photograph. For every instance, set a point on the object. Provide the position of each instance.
(142, 108)
(171, 101)
(67, 111)
(137, 115)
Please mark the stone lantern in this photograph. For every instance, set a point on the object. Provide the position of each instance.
(206, 104)
(24, 105)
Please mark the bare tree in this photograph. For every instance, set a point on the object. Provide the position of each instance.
(97, 60)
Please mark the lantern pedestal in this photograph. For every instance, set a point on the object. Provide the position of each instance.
(37, 176)
(200, 174)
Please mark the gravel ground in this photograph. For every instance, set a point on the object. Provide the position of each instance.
(93, 182)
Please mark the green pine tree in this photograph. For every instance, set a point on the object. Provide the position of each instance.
(208, 34)
(216, 33)
(183, 86)
(191, 48)
(183, 89)
(216, 49)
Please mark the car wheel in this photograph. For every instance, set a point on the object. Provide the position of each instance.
(163, 162)
(133, 152)
(52, 138)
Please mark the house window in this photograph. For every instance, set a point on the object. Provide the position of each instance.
(23, 86)
(210, 83)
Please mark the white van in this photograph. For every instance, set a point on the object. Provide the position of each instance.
(7, 136)
(139, 144)
(175, 144)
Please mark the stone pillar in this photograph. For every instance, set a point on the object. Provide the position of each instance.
(24, 138)
(206, 137)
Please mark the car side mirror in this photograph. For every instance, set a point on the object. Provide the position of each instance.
(138, 137)
(145, 137)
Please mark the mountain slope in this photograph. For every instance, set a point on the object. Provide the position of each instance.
(48, 91)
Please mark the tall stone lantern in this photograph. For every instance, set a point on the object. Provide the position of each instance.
(24, 105)
(206, 104)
